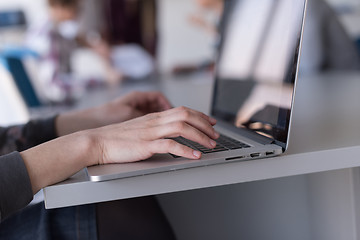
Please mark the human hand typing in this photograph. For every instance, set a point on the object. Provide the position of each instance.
(132, 105)
(140, 138)
(129, 141)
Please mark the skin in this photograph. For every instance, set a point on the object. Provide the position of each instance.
(198, 19)
(60, 13)
(120, 140)
(214, 5)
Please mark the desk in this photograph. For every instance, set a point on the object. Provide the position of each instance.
(294, 196)
(324, 136)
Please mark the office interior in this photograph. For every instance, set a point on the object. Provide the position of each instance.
(162, 39)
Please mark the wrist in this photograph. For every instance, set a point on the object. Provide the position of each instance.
(59, 159)
(87, 143)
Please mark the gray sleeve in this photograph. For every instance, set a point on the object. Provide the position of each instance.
(15, 186)
(21, 137)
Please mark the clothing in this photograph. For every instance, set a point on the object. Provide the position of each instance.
(15, 186)
(22, 137)
(55, 45)
(117, 219)
(34, 222)
(131, 22)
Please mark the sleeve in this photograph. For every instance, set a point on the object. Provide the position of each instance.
(15, 186)
(22, 137)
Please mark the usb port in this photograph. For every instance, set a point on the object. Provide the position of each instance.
(253, 155)
(269, 153)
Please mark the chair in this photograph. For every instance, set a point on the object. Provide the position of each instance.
(12, 61)
(13, 109)
(12, 58)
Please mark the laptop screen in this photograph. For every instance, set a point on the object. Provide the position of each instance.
(257, 65)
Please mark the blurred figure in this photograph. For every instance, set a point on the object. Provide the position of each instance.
(131, 22)
(206, 7)
(56, 40)
(208, 18)
(129, 27)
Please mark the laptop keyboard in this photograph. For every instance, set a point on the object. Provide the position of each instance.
(223, 143)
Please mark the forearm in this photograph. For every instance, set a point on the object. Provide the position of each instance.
(59, 159)
(72, 122)
(95, 117)
(132, 105)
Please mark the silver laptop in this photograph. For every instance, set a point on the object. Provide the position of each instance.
(255, 79)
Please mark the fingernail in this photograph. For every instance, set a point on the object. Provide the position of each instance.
(197, 154)
(216, 134)
(213, 120)
(213, 143)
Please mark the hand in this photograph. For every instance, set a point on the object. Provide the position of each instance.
(137, 104)
(130, 141)
(140, 138)
(122, 109)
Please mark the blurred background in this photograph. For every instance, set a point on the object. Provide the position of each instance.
(54, 50)
(57, 41)
(168, 26)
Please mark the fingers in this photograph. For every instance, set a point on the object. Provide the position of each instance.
(182, 121)
(171, 146)
(184, 112)
(161, 102)
(155, 128)
(176, 129)
(139, 138)
(196, 119)
(148, 101)
(169, 123)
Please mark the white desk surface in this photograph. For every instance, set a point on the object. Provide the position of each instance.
(325, 135)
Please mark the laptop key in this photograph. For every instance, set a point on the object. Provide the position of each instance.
(224, 143)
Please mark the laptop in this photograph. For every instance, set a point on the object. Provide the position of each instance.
(255, 78)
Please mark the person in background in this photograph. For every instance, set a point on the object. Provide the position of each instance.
(44, 152)
(208, 19)
(56, 39)
(205, 7)
(129, 27)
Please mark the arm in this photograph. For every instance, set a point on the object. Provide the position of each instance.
(130, 106)
(15, 187)
(131, 141)
(21, 137)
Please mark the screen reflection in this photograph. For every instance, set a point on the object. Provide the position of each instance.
(257, 64)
